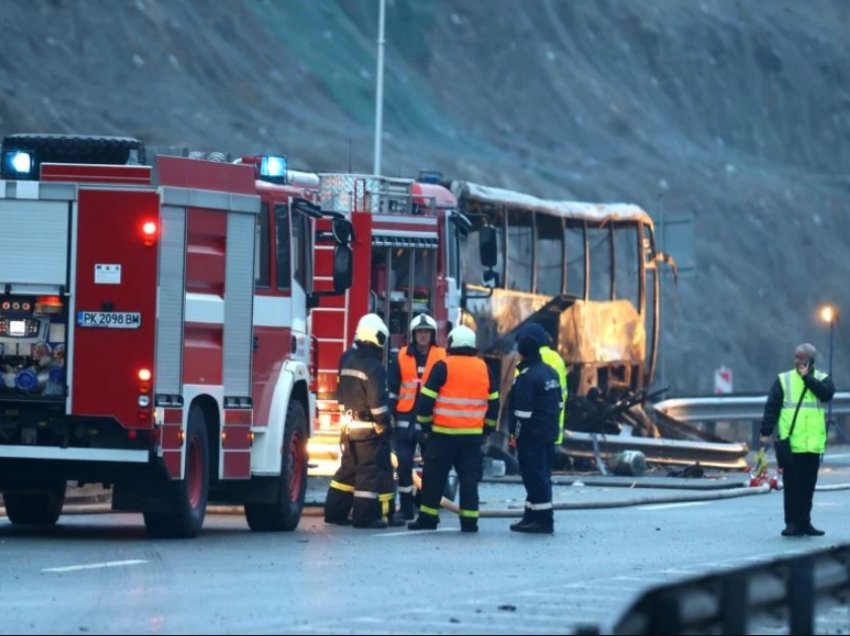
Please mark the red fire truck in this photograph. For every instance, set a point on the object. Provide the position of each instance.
(154, 331)
(406, 239)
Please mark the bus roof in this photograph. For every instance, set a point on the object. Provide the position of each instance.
(597, 212)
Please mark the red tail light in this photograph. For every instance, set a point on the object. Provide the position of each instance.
(48, 305)
(150, 232)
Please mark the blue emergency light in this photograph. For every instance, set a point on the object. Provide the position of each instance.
(430, 176)
(18, 164)
(273, 168)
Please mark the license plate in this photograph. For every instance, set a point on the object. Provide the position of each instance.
(110, 319)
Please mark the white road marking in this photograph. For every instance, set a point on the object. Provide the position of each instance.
(413, 533)
(685, 504)
(95, 566)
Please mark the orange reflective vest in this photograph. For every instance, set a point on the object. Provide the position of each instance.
(461, 403)
(411, 375)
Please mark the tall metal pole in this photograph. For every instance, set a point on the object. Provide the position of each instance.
(379, 95)
(829, 404)
(829, 421)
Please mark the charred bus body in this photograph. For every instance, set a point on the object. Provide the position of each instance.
(590, 274)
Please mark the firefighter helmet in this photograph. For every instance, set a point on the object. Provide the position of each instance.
(371, 329)
(461, 336)
(423, 321)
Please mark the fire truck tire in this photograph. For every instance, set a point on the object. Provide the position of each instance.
(188, 497)
(285, 512)
(36, 508)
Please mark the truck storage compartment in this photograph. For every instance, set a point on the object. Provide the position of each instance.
(33, 331)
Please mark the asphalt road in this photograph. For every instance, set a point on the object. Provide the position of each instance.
(99, 573)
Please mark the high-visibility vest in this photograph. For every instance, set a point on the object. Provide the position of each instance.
(553, 359)
(411, 378)
(461, 403)
(809, 434)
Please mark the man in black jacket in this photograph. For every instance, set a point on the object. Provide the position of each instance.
(363, 485)
(535, 408)
(795, 406)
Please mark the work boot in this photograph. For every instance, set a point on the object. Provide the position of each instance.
(810, 531)
(792, 530)
(522, 522)
(408, 509)
(423, 523)
(338, 522)
(533, 527)
(469, 525)
(375, 524)
(396, 520)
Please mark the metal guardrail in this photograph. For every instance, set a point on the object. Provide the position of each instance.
(727, 602)
(714, 409)
(728, 455)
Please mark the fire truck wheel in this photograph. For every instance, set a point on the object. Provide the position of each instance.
(37, 507)
(285, 512)
(188, 497)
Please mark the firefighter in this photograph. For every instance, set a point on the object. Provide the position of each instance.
(363, 485)
(414, 362)
(535, 404)
(457, 406)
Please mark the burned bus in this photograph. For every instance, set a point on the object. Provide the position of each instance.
(589, 273)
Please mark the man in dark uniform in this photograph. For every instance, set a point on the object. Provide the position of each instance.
(412, 366)
(363, 485)
(457, 406)
(535, 408)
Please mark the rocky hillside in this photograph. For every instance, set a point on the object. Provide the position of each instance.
(737, 113)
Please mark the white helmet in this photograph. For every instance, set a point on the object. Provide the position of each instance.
(423, 321)
(372, 329)
(461, 336)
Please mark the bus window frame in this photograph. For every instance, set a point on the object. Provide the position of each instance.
(629, 230)
(507, 239)
(603, 228)
(572, 225)
(536, 287)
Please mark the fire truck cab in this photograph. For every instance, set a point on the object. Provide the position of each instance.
(154, 331)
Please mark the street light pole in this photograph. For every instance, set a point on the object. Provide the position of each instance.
(829, 314)
(379, 93)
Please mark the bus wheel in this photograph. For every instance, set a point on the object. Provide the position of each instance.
(284, 512)
(38, 507)
(187, 498)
